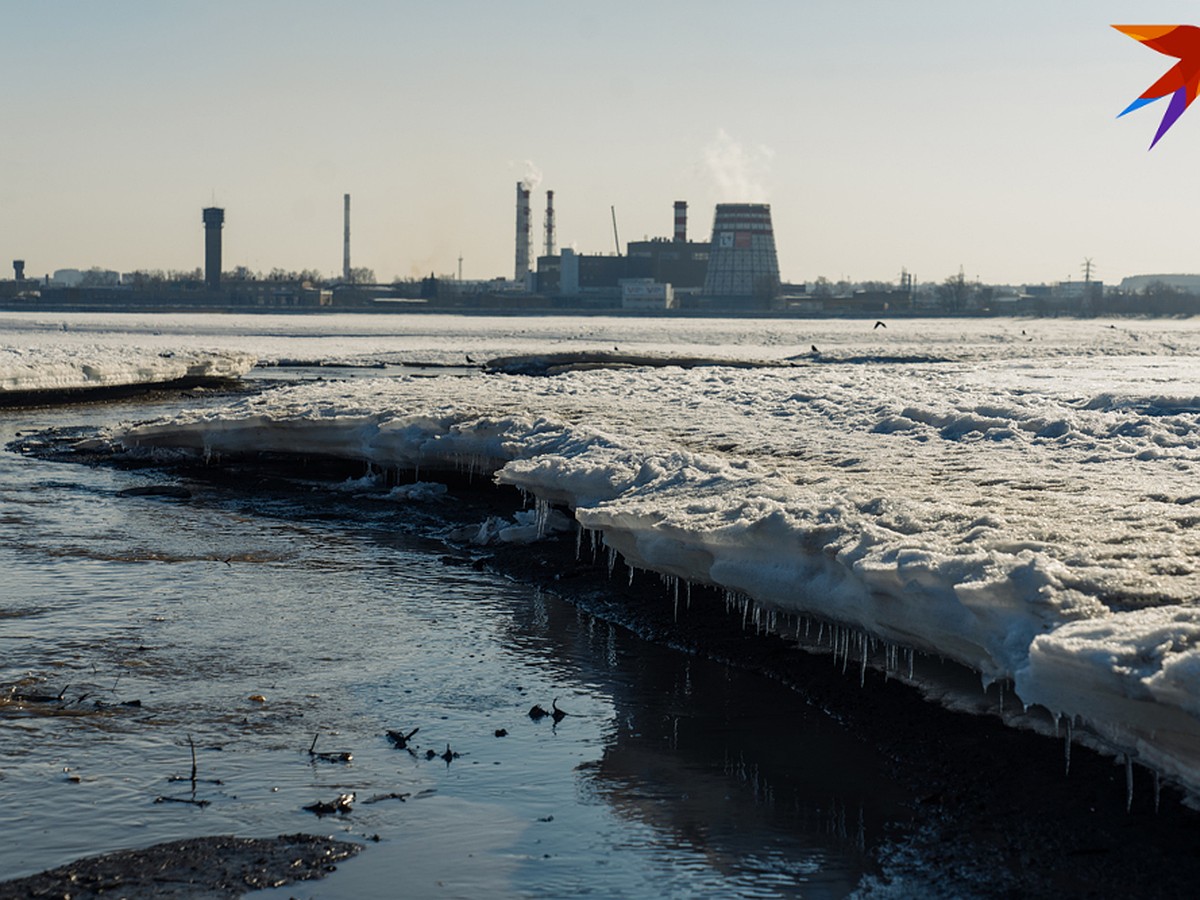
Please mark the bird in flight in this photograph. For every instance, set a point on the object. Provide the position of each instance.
(1182, 81)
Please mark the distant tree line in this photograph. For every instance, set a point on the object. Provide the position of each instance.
(158, 277)
(1156, 299)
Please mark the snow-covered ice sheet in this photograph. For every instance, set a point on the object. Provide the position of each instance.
(44, 369)
(1017, 495)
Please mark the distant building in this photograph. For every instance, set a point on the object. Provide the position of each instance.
(572, 274)
(646, 294)
(1138, 283)
(66, 278)
(681, 263)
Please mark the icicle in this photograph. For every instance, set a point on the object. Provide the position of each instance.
(612, 560)
(1157, 791)
(807, 625)
(862, 674)
(541, 515)
(1067, 745)
(820, 631)
(846, 651)
(911, 657)
(1128, 783)
(629, 566)
(689, 595)
(578, 542)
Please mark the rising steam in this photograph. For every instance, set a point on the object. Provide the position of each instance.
(740, 174)
(532, 177)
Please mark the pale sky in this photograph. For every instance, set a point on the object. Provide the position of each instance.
(885, 134)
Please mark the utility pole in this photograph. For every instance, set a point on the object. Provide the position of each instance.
(460, 267)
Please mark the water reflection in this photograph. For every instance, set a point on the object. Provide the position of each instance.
(726, 766)
(671, 774)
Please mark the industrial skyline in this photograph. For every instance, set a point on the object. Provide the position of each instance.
(885, 138)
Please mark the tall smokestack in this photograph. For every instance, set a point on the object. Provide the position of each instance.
(19, 269)
(214, 221)
(346, 240)
(681, 220)
(522, 266)
(549, 223)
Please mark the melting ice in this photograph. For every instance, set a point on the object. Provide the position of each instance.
(1018, 496)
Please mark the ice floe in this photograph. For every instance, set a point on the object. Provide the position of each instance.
(48, 369)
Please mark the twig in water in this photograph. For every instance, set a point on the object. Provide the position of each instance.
(342, 757)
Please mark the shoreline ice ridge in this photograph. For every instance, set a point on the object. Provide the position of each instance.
(1010, 610)
(42, 369)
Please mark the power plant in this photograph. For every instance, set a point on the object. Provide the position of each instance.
(736, 269)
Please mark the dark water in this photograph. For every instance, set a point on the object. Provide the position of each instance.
(671, 776)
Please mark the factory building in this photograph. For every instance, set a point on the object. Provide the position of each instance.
(674, 261)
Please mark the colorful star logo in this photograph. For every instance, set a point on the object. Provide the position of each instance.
(1181, 81)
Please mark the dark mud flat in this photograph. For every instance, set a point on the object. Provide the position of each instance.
(108, 393)
(998, 814)
(198, 869)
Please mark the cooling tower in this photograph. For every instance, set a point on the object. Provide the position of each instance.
(741, 263)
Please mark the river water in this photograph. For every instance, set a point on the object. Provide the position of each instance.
(245, 621)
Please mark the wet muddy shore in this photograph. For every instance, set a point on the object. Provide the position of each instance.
(214, 867)
(996, 815)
